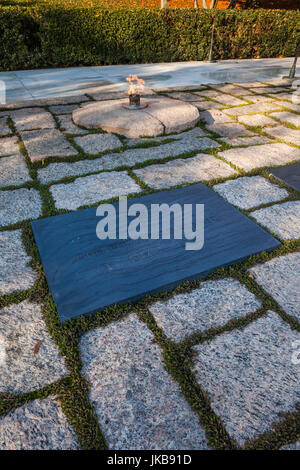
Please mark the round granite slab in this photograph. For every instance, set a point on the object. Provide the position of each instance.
(162, 116)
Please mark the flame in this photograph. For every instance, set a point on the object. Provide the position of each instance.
(136, 85)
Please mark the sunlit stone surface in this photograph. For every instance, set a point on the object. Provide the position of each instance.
(162, 116)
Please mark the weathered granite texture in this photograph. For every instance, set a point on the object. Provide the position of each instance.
(139, 406)
(282, 219)
(246, 141)
(257, 120)
(32, 118)
(91, 189)
(260, 156)
(285, 133)
(4, 129)
(286, 116)
(252, 108)
(22, 327)
(15, 274)
(162, 116)
(57, 171)
(96, 143)
(248, 192)
(249, 376)
(212, 305)
(280, 277)
(67, 126)
(214, 116)
(9, 146)
(18, 205)
(38, 425)
(13, 171)
(202, 167)
(228, 129)
(47, 143)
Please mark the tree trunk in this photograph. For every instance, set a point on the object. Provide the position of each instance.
(163, 4)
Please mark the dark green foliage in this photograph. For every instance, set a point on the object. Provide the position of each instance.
(55, 35)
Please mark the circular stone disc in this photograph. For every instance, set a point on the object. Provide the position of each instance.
(162, 116)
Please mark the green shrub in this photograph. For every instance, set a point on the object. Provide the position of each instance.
(52, 36)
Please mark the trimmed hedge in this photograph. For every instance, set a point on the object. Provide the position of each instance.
(44, 36)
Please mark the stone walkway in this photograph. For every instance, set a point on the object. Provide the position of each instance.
(68, 81)
(214, 364)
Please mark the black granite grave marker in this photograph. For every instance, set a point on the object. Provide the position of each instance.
(289, 174)
(85, 274)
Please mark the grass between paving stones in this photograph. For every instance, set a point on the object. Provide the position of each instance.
(72, 391)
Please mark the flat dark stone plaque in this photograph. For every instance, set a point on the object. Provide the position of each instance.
(289, 174)
(86, 274)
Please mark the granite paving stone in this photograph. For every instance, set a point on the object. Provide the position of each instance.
(229, 129)
(282, 96)
(260, 156)
(206, 105)
(286, 82)
(222, 98)
(91, 189)
(248, 192)
(13, 171)
(212, 305)
(280, 277)
(47, 143)
(57, 171)
(249, 376)
(214, 116)
(37, 425)
(286, 116)
(67, 125)
(253, 84)
(252, 109)
(138, 404)
(202, 167)
(19, 204)
(15, 274)
(291, 106)
(4, 129)
(211, 94)
(268, 89)
(193, 88)
(285, 133)
(281, 219)
(229, 100)
(257, 120)
(240, 141)
(258, 98)
(184, 96)
(229, 88)
(32, 118)
(9, 146)
(96, 143)
(63, 108)
(186, 135)
(22, 371)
